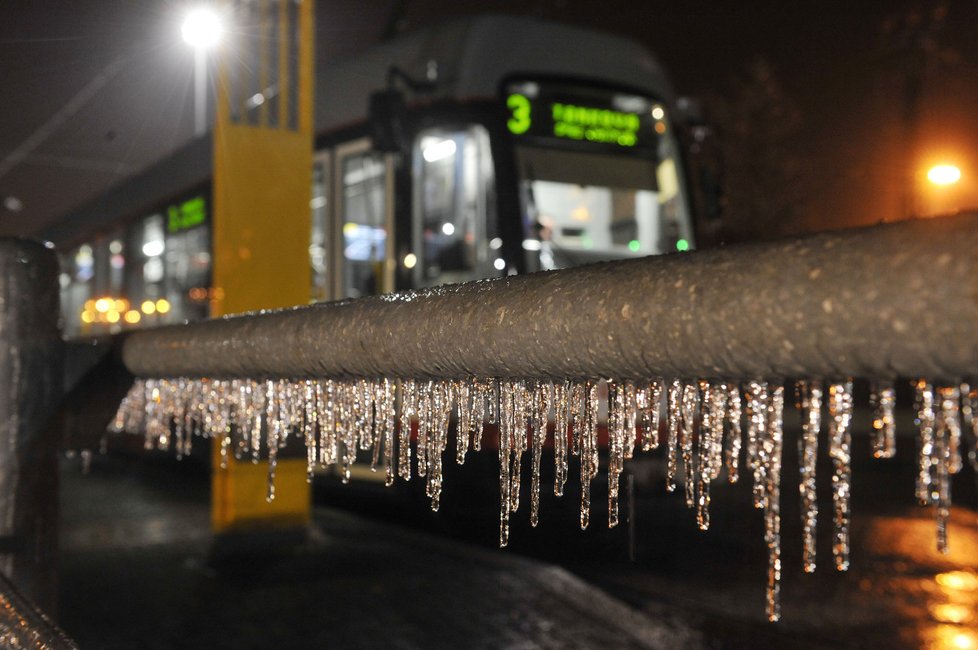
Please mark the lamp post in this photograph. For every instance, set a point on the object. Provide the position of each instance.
(201, 30)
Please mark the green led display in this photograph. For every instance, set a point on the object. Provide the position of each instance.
(186, 215)
(520, 120)
(595, 124)
(682, 245)
(634, 246)
(587, 117)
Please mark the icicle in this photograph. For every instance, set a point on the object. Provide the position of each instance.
(561, 396)
(578, 410)
(272, 404)
(388, 417)
(710, 453)
(480, 394)
(690, 409)
(734, 435)
(505, 442)
(589, 451)
(541, 403)
(408, 410)
(672, 433)
(630, 419)
(946, 459)
(463, 420)
(925, 419)
(811, 422)
(617, 433)
(758, 399)
(309, 426)
(882, 400)
(647, 402)
(840, 440)
(773, 443)
(437, 438)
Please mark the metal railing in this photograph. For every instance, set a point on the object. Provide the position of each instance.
(890, 300)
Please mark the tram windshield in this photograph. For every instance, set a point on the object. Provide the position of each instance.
(599, 175)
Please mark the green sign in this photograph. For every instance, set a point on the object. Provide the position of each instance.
(585, 115)
(595, 124)
(519, 106)
(186, 215)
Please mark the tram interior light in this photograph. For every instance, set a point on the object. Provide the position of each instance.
(438, 150)
(202, 28)
(448, 229)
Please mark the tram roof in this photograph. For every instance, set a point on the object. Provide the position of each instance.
(474, 56)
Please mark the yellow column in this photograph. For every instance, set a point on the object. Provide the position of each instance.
(262, 176)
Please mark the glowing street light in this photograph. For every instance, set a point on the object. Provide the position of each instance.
(944, 174)
(201, 30)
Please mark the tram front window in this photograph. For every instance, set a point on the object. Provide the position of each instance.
(586, 207)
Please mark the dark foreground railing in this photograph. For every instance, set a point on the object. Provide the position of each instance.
(891, 300)
(24, 626)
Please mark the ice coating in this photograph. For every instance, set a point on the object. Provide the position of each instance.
(394, 424)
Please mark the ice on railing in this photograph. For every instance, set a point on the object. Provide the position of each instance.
(342, 421)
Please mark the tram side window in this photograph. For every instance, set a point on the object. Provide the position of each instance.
(318, 260)
(77, 273)
(453, 178)
(364, 179)
(187, 269)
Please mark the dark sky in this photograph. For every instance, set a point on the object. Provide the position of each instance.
(95, 90)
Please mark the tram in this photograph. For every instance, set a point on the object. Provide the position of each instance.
(487, 146)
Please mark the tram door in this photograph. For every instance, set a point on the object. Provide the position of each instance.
(363, 242)
(454, 236)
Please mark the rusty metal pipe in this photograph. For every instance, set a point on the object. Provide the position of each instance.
(890, 300)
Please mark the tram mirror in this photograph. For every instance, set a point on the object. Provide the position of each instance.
(385, 116)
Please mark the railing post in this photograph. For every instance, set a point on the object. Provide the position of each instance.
(31, 357)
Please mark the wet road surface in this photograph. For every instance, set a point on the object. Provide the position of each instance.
(137, 569)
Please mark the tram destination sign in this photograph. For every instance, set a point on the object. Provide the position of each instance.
(584, 115)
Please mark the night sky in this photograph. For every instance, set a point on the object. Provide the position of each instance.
(95, 90)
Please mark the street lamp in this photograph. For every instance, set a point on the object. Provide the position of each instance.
(201, 30)
(944, 174)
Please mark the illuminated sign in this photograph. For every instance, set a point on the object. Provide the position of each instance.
(583, 115)
(186, 215)
(595, 124)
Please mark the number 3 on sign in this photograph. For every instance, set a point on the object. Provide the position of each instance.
(519, 122)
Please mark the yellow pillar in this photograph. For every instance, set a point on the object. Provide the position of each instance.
(262, 177)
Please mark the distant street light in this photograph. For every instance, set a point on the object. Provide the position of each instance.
(944, 174)
(202, 30)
